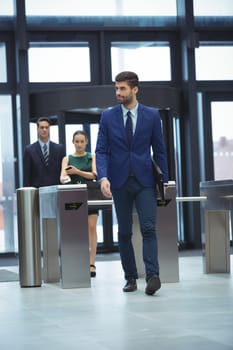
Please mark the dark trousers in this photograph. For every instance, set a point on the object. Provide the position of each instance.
(130, 194)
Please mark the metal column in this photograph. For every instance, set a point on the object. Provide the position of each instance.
(29, 237)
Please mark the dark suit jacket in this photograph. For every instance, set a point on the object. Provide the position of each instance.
(114, 155)
(35, 172)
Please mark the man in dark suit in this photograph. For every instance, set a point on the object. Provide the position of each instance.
(39, 169)
(125, 171)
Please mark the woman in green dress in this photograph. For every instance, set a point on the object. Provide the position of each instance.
(79, 168)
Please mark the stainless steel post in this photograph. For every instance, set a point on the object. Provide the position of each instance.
(217, 241)
(216, 217)
(29, 237)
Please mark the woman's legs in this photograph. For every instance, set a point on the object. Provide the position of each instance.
(92, 222)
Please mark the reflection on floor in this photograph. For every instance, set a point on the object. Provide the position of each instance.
(194, 314)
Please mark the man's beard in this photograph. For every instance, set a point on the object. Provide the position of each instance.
(126, 100)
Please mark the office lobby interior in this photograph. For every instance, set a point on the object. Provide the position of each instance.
(60, 62)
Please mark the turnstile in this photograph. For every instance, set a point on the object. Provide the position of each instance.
(166, 227)
(64, 226)
(216, 223)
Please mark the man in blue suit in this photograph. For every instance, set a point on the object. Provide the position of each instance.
(125, 171)
(39, 170)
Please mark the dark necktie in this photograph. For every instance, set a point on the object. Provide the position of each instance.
(129, 127)
(46, 154)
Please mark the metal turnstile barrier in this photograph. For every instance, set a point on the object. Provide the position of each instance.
(216, 241)
(216, 199)
(29, 237)
(167, 237)
(64, 223)
(216, 223)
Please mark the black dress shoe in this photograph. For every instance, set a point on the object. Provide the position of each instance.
(153, 284)
(131, 285)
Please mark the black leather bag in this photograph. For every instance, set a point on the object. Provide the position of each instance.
(158, 178)
(161, 201)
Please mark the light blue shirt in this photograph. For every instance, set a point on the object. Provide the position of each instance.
(42, 144)
(134, 115)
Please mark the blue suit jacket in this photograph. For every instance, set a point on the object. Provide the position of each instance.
(114, 155)
(35, 172)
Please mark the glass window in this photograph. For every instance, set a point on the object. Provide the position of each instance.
(3, 74)
(214, 62)
(150, 60)
(101, 8)
(59, 64)
(6, 8)
(213, 8)
(222, 136)
(8, 224)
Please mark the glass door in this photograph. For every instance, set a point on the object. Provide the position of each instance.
(222, 138)
(8, 229)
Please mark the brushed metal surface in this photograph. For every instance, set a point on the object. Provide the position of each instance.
(216, 224)
(217, 241)
(29, 237)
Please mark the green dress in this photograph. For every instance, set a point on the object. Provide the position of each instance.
(83, 163)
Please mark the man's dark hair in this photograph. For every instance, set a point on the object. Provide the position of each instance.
(130, 77)
(43, 119)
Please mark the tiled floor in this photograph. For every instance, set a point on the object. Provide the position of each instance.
(194, 314)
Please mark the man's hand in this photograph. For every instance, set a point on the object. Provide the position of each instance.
(105, 188)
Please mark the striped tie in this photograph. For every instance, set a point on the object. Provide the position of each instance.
(46, 154)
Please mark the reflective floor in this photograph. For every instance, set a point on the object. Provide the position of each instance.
(194, 314)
